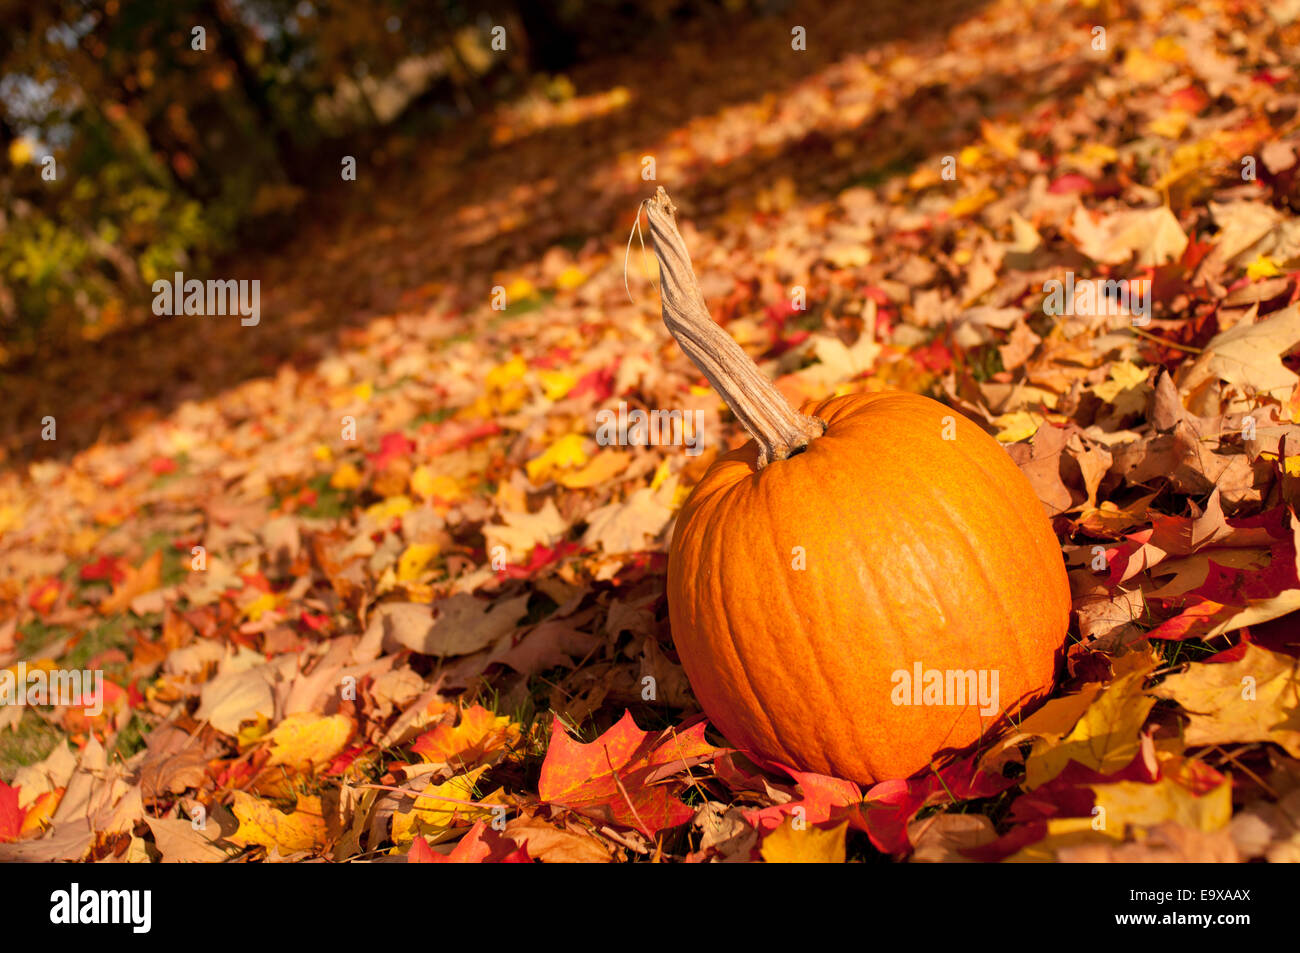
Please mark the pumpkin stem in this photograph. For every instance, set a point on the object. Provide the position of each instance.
(778, 428)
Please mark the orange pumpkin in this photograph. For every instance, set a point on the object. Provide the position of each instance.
(859, 588)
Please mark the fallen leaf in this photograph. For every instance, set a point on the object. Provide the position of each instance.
(552, 844)
(610, 779)
(1250, 356)
(307, 742)
(481, 845)
(805, 844)
(1255, 698)
(941, 838)
(179, 841)
(1106, 737)
(235, 697)
(261, 823)
(138, 582)
(440, 809)
(478, 735)
(628, 527)
(459, 624)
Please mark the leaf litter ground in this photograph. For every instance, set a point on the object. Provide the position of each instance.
(446, 639)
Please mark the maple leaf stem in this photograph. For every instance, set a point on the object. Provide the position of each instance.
(1173, 344)
(417, 795)
(777, 428)
(631, 845)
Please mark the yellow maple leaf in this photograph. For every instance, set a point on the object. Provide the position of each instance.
(1127, 387)
(662, 473)
(1292, 466)
(253, 731)
(503, 375)
(846, 255)
(566, 453)
(415, 561)
(1063, 832)
(970, 204)
(1020, 425)
(82, 542)
(43, 664)
(1169, 49)
(521, 289)
(1262, 267)
(555, 384)
(264, 603)
(1187, 161)
(1123, 375)
(506, 390)
(306, 742)
(440, 809)
(1256, 698)
(1170, 125)
(428, 485)
(261, 823)
(1005, 139)
(809, 845)
(1106, 738)
(1137, 804)
(570, 278)
(1096, 153)
(605, 465)
(388, 509)
(346, 477)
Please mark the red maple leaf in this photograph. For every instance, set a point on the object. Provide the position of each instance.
(1068, 794)
(823, 799)
(391, 447)
(613, 779)
(540, 557)
(599, 383)
(11, 815)
(1010, 842)
(889, 806)
(44, 594)
(343, 760)
(104, 569)
(1069, 184)
(457, 435)
(883, 813)
(482, 845)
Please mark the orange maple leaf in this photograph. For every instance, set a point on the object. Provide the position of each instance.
(613, 779)
(481, 845)
(479, 734)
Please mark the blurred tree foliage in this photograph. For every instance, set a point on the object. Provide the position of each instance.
(142, 137)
